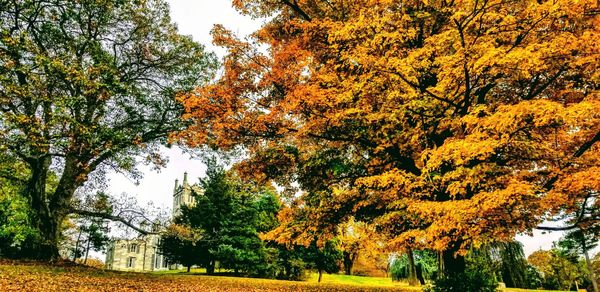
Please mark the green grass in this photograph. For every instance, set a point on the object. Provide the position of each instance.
(337, 279)
(181, 271)
(527, 290)
(340, 280)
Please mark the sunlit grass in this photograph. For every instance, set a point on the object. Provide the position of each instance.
(359, 281)
(528, 290)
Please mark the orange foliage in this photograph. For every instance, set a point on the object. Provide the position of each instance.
(449, 123)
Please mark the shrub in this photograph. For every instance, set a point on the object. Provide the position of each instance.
(473, 280)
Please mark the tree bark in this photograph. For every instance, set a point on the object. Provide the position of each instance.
(51, 210)
(320, 276)
(189, 267)
(77, 244)
(348, 262)
(210, 268)
(589, 264)
(412, 270)
(45, 220)
(440, 260)
(87, 249)
(453, 264)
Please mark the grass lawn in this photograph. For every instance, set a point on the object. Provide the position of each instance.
(525, 290)
(337, 279)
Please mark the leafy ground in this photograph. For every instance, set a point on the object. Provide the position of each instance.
(32, 276)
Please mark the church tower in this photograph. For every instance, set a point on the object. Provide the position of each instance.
(182, 194)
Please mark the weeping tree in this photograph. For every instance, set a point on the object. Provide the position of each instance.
(513, 264)
(84, 84)
(418, 264)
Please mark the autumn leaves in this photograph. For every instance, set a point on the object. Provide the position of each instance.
(448, 124)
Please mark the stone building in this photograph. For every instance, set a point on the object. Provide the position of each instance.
(142, 254)
(139, 255)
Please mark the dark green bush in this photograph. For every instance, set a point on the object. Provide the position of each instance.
(473, 280)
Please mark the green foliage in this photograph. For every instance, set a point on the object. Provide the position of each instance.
(472, 280)
(575, 243)
(425, 262)
(230, 214)
(288, 264)
(513, 266)
(178, 249)
(18, 237)
(560, 269)
(324, 258)
(533, 278)
(483, 266)
(97, 235)
(86, 83)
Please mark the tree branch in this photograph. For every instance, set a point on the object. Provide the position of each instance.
(111, 217)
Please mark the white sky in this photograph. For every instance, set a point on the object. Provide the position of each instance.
(196, 18)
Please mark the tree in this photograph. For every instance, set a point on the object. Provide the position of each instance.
(288, 264)
(180, 245)
(596, 264)
(87, 84)
(425, 266)
(577, 242)
(95, 232)
(322, 258)
(230, 214)
(560, 271)
(513, 264)
(447, 118)
(353, 238)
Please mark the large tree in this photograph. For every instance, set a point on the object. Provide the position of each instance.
(457, 122)
(85, 84)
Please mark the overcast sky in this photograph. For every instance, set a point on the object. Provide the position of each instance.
(196, 18)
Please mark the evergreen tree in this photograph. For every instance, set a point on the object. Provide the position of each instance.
(230, 214)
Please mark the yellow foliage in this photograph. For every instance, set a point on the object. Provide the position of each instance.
(450, 124)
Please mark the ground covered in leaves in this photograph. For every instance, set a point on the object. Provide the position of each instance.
(33, 276)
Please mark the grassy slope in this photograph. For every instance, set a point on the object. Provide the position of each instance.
(18, 276)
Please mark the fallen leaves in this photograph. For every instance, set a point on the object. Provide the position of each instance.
(32, 276)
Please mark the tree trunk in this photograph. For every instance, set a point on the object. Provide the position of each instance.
(453, 264)
(51, 211)
(87, 249)
(44, 218)
(189, 267)
(210, 268)
(589, 264)
(440, 260)
(412, 270)
(77, 244)
(348, 262)
(320, 276)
